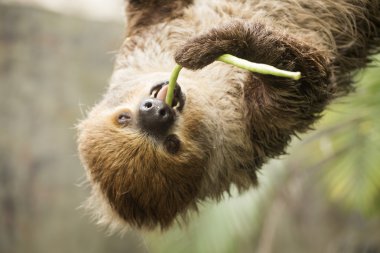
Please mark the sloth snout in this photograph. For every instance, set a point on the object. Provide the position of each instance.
(155, 116)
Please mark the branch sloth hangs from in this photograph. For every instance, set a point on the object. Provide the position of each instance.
(150, 163)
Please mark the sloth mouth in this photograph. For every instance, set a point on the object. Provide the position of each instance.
(159, 91)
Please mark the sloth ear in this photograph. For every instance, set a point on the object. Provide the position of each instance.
(141, 13)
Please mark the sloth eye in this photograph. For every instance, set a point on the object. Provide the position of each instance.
(124, 118)
(172, 144)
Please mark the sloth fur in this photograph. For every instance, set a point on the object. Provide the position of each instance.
(232, 121)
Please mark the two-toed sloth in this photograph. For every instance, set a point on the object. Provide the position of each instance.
(149, 163)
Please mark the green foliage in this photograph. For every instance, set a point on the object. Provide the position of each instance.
(349, 146)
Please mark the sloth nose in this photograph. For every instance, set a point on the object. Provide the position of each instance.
(155, 116)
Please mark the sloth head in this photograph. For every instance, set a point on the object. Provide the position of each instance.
(146, 159)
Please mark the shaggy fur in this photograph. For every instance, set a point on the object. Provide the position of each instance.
(233, 121)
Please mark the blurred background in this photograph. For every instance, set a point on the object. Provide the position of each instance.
(55, 59)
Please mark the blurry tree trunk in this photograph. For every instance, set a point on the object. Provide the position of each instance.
(7, 208)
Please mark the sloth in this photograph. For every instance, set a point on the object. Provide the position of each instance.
(149, 163)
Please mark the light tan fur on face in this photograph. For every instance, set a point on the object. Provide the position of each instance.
(129, 167)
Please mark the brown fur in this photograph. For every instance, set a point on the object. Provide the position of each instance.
(143, 13)
(233, 121)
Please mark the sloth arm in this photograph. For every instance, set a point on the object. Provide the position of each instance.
(277, 108)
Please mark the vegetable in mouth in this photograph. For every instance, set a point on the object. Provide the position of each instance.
(238, 62)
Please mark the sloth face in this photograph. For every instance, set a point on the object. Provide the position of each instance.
(147, 159)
